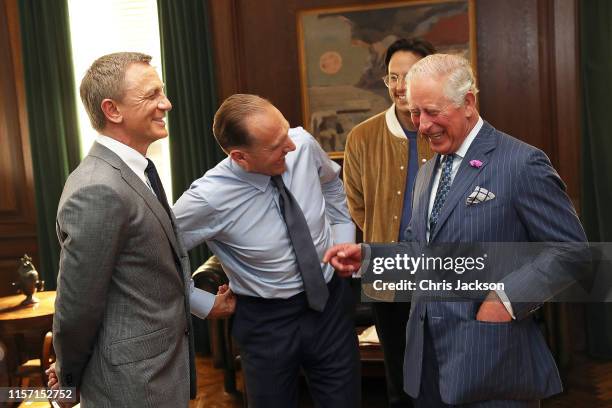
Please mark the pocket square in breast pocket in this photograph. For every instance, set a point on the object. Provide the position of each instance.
(479, 195)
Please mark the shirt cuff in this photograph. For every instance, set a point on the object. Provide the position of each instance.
(343, 233)
(200, 301)
(365, 261)
(504, 299)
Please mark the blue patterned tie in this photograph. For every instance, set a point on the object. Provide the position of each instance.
(443, 189)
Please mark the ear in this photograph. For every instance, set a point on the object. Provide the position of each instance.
(240, 157)
(111, 111)
(469, 103)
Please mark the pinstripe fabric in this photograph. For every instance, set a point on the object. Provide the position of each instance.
(480, 361)
(122, 310)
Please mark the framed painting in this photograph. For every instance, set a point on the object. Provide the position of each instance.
(342, 54)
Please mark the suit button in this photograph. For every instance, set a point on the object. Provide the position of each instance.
(186, 332)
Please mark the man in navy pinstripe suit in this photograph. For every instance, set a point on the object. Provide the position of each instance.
(481, 186)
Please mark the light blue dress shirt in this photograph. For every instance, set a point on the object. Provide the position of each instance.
(237, 214)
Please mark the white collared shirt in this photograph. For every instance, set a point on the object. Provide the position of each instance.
(459, 155)
(134, 160)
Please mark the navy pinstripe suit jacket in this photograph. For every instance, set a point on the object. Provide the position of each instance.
(492, 361)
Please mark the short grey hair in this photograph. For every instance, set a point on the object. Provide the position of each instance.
(454, 69)
(105, 80)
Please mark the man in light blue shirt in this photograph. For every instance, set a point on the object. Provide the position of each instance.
(237, 209)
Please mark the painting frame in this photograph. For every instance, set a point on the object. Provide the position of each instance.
(331, 125)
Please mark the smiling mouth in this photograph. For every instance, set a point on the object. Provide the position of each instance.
(160, 121)
(434, 136)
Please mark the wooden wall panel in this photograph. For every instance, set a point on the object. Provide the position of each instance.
(17, 210)
(567, 102)
(508, 69)
(527, 66)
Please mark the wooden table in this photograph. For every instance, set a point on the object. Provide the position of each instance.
(23, 328)
(372, 360)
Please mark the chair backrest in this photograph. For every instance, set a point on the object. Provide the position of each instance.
(210, 275)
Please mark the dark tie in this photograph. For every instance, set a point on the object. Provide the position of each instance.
(156, 185)
(158, 188)
(443, 188)
(305, 251)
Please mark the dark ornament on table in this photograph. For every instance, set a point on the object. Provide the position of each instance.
(28, 282)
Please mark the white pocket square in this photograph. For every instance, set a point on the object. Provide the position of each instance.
(479, 195)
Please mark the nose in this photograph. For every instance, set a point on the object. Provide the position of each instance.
(424, 123)
(164, 104)
(290, 146)
(401, 82)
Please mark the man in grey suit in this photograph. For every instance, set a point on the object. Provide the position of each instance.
(122, 326)
(481, 186)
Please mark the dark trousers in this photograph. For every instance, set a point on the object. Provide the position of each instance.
(429, 394)
(278, 337)
(390, 321)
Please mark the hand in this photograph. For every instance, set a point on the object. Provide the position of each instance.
(345, 258)
(225, 303)
(52, 383)
(493, 310)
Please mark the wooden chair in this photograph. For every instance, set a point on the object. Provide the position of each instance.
(36, 367)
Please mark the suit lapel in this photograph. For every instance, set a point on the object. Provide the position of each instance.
(423, 192)
(481, 147)
(139, 187)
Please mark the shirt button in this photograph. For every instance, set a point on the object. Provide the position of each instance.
(399, 192)
(401, 167)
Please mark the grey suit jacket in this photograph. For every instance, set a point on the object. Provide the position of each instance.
(122, 327)
(492, 361)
